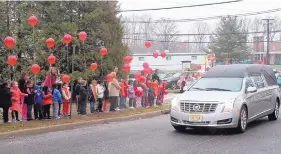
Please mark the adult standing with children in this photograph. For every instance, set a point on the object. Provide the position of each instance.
(51, 77)
(5, 97)
(22, 85)
(114, 90)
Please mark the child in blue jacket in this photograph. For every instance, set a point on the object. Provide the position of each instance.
(60, 101)
(56, 99)
(38, 102)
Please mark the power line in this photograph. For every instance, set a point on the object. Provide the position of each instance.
(183, 3)
(206, 18)
(185, 41)
(179, 7)
(186, 34)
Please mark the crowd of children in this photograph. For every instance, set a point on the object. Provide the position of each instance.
(53, 102)
(39, 100)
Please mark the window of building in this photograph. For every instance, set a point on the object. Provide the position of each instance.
(168, 58)
(141, 58)
(193, 57)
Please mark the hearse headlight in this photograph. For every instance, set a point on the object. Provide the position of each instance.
(174, 103)
(228, 105)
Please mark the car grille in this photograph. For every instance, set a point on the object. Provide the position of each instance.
(197, 107)
(198, 123)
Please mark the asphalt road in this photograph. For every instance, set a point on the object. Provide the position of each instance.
(152, 136)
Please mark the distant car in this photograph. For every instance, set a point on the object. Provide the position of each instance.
(165, 75)
(172, 82)
(228, 96)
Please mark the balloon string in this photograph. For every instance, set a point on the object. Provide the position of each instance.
(67, 64)
(101, 66)
(50, 69)
(33, 37)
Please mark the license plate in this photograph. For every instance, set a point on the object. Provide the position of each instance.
(195, 117)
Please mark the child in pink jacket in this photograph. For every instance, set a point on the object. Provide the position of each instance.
(16, 100)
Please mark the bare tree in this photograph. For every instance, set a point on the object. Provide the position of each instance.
(147, 27)
(257, 26)
(165, 34)
(245, 24)
(200, 29)
(274, 28)
(131, 30)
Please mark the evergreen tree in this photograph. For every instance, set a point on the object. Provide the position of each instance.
(98, 19)
(230, 40)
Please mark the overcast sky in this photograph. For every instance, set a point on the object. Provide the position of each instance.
(245, 6)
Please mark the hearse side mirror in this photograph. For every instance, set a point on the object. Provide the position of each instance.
(251, 89)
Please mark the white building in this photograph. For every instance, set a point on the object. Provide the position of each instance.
(172, 61)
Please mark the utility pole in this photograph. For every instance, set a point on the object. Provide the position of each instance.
(267, 40)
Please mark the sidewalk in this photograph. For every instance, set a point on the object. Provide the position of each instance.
(77, 121)
(91, 118)
(167, 100)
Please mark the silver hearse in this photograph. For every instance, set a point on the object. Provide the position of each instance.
(228, 96)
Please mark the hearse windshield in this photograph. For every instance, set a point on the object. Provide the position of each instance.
(218, 84)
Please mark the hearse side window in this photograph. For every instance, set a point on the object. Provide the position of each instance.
(258, 81)
(264, 81)
(249, 83)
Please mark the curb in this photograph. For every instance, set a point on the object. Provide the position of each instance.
(67, 126)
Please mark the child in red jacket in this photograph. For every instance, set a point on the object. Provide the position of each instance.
(139, 94)
(123, 94)
(155, 86)
(161, 93)
(16, 98)
(47, 101)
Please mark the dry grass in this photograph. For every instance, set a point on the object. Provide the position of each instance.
(77, 118)
(173, 91)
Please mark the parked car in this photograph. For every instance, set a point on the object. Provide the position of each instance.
(165, 75)
(228, 96)
(172, 82)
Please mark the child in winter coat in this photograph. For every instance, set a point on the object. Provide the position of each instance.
(150, 94)
(100, 95)
(144, 100)
(22, 85)
(47, 101)
(29, 100)
(38, 102)
(105, 96)
(123, 94)
(156, 91)
(60, 101)
(92, 93)
(161, 93)
(65, 98)
(131, 93)
(56, 99)
(139, 94)
(16, 98)
(83, 92)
